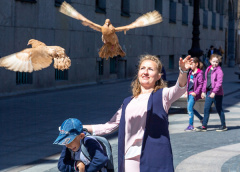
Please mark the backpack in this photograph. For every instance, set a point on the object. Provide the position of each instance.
(106, 148)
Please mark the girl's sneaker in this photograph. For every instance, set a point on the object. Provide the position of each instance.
(201, 128)
(222, 128)
(189, 128)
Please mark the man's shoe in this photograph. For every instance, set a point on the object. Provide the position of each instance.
(222, 128)
(201, 128)
(189, 128)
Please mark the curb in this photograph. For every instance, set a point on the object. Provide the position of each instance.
(65, 87)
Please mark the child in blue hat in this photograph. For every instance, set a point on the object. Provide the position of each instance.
(72, 159)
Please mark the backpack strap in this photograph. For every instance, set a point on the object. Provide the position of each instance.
(84, 150)
(104, 144)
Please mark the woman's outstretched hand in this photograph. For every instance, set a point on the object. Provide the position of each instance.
(185, 64)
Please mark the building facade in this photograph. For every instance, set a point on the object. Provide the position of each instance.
(21, 20)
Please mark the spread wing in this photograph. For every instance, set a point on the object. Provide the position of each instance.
(27, 60)
(147, 19)
(68, 10)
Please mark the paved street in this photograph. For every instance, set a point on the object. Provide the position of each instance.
(29, 124)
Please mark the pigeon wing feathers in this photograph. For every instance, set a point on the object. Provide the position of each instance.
(28, 60)
(68, 10)
(40, 58)
(34, 59)
(20, 61)
(147, 19)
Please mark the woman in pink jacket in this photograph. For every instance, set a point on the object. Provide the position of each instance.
(194, 90)
(142, 120)
(213, 92)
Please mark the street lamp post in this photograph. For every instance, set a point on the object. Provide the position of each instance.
(195, 51)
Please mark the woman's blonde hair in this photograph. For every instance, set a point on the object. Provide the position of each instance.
(136, 86)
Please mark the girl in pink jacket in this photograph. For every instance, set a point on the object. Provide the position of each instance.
(212, 91)
(194, 90)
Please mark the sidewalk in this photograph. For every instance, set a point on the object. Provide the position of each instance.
(33, 120)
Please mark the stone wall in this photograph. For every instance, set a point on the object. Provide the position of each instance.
(21, 21)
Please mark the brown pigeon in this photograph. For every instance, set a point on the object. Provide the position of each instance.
(111, 45)
(36, 58)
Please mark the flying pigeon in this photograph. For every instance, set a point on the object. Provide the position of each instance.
(111, 45)
(36, 58)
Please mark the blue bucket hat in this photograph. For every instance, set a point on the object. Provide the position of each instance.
(69, 129)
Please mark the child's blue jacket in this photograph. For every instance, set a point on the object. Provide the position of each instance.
(99, 158)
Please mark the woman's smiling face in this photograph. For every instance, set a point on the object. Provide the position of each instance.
(148, 74)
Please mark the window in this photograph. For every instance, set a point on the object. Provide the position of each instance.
(171, 62)
(172, 11)
(220, 22)
(218, 6)
(205, 19)
(214, 21)
(61, 75)
(32, 1)
(222, 7)
(100, 6)
(100, 67)
(23, 78)
(125, 5)
(191, 2)
(184, 14)
(202, 4)
(210, 5)
(58, 3)
(113, 65)
(158, 6)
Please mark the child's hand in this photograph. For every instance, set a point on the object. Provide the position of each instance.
(212, 95)
(193, 94)
(203, 95)
(80, 166)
